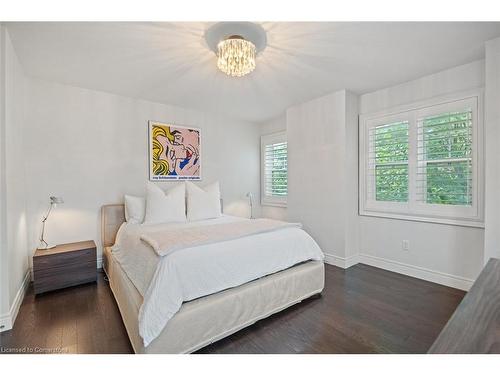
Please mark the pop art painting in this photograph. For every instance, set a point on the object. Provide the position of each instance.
(174, 152)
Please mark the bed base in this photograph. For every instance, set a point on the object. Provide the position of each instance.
(208, 319)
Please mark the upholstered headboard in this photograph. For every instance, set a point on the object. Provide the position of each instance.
(112, 216)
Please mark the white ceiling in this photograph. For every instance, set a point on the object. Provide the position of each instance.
(171, 63)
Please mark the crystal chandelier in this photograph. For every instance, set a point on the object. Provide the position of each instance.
(236, 56)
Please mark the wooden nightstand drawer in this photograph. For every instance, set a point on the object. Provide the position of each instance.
(64, 259)
(69, 268)
(57, 278)
(65, 265)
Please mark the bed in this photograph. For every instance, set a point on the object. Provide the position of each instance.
(207, 319)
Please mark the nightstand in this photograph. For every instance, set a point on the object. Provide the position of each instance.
(65, 265)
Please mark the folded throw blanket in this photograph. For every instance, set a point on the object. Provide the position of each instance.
(166, 241)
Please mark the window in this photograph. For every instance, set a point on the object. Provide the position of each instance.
(444, 158)
(390, 161)
(423, 163)
(274, 169)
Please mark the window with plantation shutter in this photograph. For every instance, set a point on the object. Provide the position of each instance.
(388, 162)
(444, 155)
(423, 163)
(274, 169)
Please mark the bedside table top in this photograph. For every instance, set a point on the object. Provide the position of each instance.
(67, 247)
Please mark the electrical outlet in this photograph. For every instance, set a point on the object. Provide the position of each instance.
(405, 245)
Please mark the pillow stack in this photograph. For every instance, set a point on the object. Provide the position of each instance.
(182, 202)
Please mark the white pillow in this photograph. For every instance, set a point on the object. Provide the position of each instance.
(165, 208)
(203, 203)
(135, 209)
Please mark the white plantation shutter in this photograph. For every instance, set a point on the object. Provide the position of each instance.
(444, 157)
(424, 163)
(274, 169)
(388, 162)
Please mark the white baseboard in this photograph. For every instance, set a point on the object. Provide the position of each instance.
(341, 262)
(99, 263)
(417, 272)
(442, 278)
(7, 320)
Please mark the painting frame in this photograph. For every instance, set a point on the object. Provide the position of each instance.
(175, 176)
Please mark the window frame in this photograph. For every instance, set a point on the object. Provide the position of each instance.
(268, 139)
(413, 209)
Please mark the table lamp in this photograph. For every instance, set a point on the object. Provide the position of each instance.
(54, 201)
(250, 198)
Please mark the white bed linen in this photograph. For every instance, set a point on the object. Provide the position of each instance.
(174, 239)
(166, 282)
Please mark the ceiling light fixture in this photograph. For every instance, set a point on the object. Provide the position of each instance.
(236, 56)
(236, 45)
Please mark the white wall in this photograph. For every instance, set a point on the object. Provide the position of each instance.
(351, 179)
(275, 125)
(321, 171)
(4, 258)
(492, 142)
(451, 254)
(315, 158)
(16, 182)
(13, 211)
(91, 147)
(448, 81)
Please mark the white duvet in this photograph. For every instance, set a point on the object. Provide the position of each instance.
(166, 282)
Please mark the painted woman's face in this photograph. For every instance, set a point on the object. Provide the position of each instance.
(188, 138)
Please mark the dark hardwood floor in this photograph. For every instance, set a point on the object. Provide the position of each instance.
(362, 310)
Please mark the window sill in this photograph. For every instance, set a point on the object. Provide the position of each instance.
(431, 220)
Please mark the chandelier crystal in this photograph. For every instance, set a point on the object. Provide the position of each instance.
(236, 56)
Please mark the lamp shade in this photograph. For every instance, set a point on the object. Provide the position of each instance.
(56, 200)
